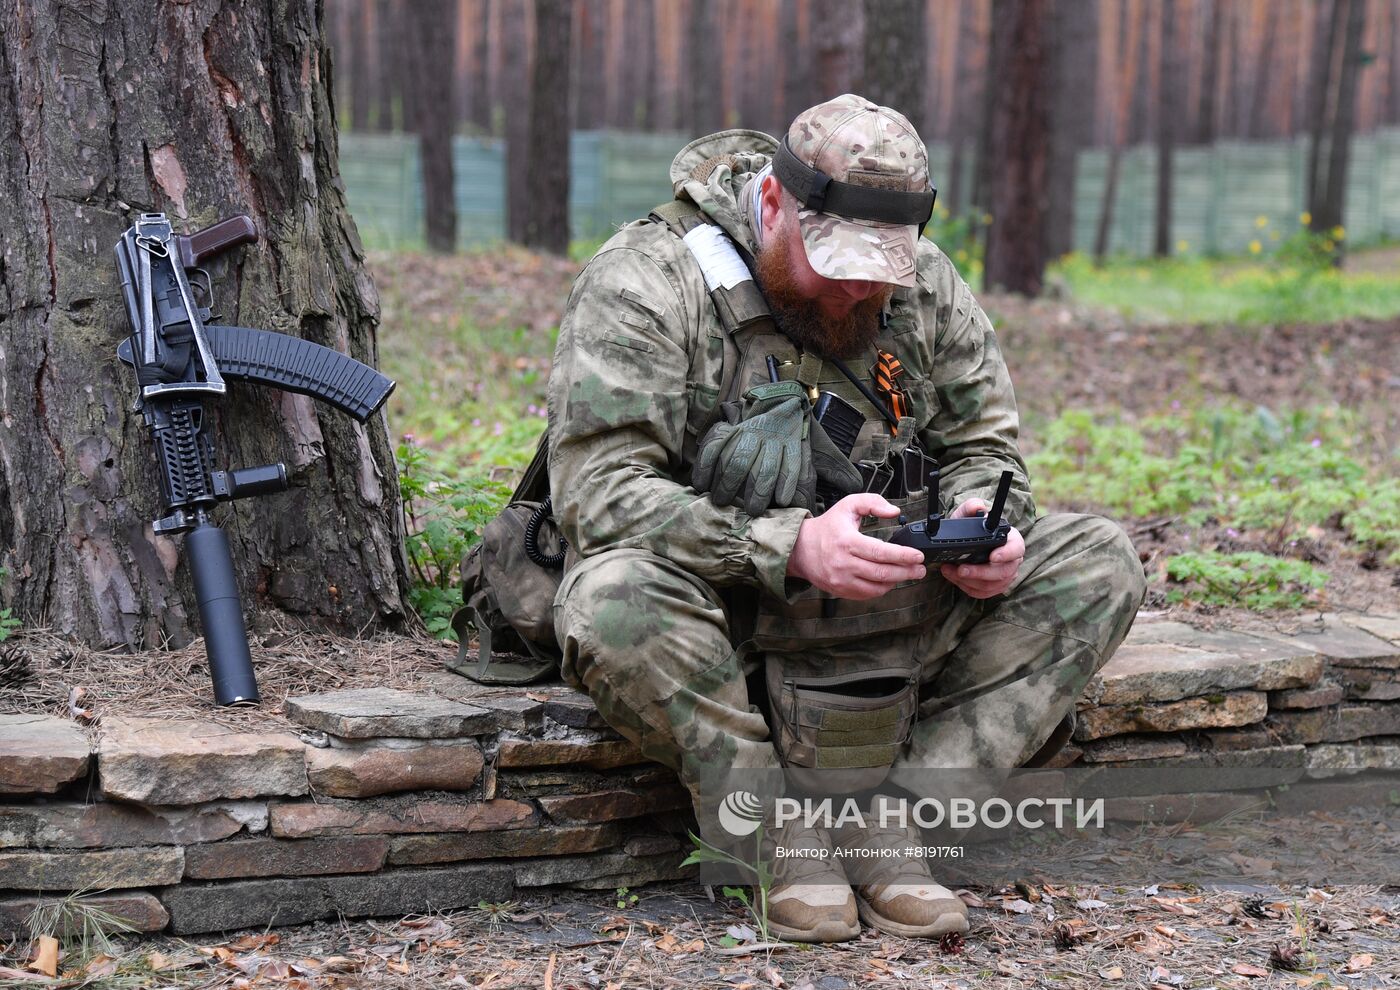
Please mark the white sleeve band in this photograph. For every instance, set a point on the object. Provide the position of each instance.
(718, 259)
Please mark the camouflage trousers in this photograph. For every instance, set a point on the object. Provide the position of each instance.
(652, 645)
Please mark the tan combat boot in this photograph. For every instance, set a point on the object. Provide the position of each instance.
(899, 895)
(810, 899)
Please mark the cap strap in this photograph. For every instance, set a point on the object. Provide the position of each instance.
(818, 191)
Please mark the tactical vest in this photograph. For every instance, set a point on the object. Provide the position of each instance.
(750, 337)
(854, 719)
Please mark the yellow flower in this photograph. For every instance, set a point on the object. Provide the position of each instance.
(1329, 245)
(986, 218)
(1261, 221)
(1182, 246)
(1305, 218)
(1339, 233)
(1255, 247)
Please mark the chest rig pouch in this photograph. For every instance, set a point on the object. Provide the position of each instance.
(857, 716)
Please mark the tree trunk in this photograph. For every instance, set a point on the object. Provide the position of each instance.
(1143, 112)
(1126, 75)
(1324, 74)
(361, 81)
(797, 75)
(590, 53)
(1166, 128)
(971, 85)
(895, 57)
(430, 107)
(1328, 192)
(388, 15)
(837, 33)
(202, 111)
(515, 101)
(1210, 74)
(1076, 61)
(1015, 259)
(479, 91)
(1263, 81)
(546, 224)
(704, 62)
(1393, 89)
(986, 174)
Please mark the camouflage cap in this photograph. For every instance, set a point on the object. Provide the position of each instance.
(857, 142)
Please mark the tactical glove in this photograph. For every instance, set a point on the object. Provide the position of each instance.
(760, 459)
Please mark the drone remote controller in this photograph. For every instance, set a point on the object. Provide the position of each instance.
(957, 541)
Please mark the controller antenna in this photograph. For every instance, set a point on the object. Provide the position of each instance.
(998, 502)
(935, 507)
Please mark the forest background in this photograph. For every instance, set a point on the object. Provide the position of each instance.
(1196, 397)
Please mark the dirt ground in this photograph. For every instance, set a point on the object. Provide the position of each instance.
(674, 935)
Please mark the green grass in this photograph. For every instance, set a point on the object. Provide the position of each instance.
(1253, 470)
(1230, 290)
(1265, 478)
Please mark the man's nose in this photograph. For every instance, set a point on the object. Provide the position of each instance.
(858, 289)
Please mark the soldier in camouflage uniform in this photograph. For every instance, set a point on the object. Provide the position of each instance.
(675, 599)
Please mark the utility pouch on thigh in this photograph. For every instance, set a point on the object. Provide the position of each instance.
(841, 721)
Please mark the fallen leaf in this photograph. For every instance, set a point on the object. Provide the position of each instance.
(251, 943)
(1018, 906)
(1245, 969)
(1358, 962)
(1165, 930)
(1111, 973)
(101, 965)
(774, 977)
(1090, 904)
(46, 956)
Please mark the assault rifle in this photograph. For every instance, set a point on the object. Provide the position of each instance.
(182, 362)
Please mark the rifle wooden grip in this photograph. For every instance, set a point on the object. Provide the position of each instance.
(203, 244)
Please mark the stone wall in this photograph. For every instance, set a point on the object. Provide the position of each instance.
(390, 802)
(386, 803)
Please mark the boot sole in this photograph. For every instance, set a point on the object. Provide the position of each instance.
(944, 925)
(827, 931)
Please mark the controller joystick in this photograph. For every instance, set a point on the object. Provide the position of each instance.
(957, 541)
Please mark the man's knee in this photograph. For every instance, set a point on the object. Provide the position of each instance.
(627, 602)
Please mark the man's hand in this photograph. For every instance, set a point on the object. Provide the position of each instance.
(995, 576)
(833, 554)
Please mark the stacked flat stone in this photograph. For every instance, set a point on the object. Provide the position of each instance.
(387, 803)
(391, 802)
(1322, 699)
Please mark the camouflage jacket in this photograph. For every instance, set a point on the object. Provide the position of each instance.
(638, 368)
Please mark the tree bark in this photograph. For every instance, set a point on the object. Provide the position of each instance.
(972, 77)
(430, 107)
(1166, 128)
(796, 68)
(895, 57)
(1329, 179)
(1076, 61)
(546, 224)
(1263, 81)
(837, 55)
(515, 102)
(361, 81)
(1210, 74)
(1015, 258)
(388, 15)
(1126, 75)
(201, 111)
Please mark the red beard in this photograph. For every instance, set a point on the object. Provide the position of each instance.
(802, 319)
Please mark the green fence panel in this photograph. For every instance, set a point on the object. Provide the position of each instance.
(1224, 197)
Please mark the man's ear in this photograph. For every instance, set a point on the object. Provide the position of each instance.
(770, 205)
